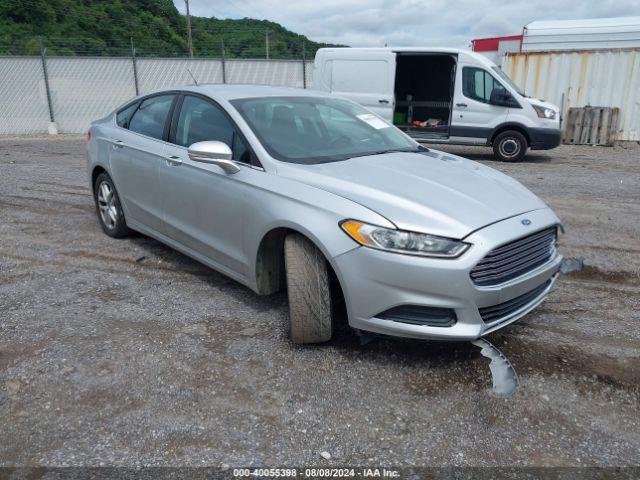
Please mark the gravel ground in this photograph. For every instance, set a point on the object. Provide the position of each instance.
(125, 352)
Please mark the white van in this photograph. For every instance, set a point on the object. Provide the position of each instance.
(441, 95)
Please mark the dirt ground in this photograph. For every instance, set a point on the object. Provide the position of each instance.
(125, 352)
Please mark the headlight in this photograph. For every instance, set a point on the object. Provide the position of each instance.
(544, 112)
(403, 242)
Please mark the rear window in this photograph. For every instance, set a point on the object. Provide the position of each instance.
(124, 115)
(151, 117)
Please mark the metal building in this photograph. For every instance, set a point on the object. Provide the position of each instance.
(587, 34)
(577, 63)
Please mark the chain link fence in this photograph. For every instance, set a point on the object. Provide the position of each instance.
(73, 91)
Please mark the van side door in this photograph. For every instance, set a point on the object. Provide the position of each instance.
(474, 116)
(367, 79)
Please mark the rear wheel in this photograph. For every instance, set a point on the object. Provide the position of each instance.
(510, 146)
(308, 288)
(110, 213)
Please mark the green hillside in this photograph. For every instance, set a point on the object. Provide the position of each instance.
(107, 27)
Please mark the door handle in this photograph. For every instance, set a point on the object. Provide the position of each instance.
(383, 101)
(118, 143)
(464, 105)
(174, 161)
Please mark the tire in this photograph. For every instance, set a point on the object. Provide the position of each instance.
(108, 207)
(510, 146)
(308, 288)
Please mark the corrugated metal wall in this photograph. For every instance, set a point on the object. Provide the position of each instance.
(84, 89)
(602, 78)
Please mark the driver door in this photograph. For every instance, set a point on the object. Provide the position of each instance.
(203, 206)
(474, 117)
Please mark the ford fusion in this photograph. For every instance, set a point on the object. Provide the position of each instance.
(290, 189)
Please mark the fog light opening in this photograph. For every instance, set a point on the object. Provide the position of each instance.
(420, 315)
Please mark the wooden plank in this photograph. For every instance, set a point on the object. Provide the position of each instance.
(586, 124)
(577, 126)
(613, 126)
(603, 132)
(568, 126)
(572, 116)
(595, 125)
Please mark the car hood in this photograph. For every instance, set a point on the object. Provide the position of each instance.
(430, 192)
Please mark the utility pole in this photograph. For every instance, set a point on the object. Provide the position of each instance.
(135, 67)
(189, 42)
(266, 42)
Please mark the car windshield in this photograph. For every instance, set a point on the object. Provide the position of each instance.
(507, 80)
(311, 130)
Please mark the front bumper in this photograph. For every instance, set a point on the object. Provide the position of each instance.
(545, 138)
(375, 281)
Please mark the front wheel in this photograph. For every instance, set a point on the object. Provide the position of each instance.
(510, 146)
(308, 288)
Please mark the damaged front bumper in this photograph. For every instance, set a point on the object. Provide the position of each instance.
(376, 282)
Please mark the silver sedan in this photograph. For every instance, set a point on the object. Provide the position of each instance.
(286, 188)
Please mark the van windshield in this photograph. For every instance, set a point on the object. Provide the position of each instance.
(310, 130)
(507, 80)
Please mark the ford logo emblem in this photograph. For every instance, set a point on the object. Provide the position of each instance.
(526, 221)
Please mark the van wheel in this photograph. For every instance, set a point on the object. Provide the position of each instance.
(308, 289)
(510, 146)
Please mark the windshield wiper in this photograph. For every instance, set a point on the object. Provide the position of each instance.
(381, 152)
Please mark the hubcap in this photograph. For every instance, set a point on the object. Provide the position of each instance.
(509, 147)
(107, 205)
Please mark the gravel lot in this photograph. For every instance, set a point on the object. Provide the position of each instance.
(125, 352)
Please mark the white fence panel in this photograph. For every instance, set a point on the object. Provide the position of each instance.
(156, 73)
(85, 89)
(265, 72)
(309, 74)
(600, 78)
(23, 97)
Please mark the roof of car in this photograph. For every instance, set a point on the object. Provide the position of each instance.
(230, 92)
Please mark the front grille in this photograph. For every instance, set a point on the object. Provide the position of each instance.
(516, 258)
(496, 312)
(420, 315)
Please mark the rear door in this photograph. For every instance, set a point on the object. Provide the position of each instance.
(136, 155)
(474, 117)
(367, 79)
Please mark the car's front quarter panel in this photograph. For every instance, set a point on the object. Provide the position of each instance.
(276, 202)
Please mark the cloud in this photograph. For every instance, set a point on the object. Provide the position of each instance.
(408, 22)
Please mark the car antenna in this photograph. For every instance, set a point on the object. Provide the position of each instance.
(194, 78)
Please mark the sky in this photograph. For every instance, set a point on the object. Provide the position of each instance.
(369, 23)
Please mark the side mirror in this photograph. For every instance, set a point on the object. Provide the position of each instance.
(215, 153)
(502, 99)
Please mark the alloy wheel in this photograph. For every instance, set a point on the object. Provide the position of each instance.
(107, 205)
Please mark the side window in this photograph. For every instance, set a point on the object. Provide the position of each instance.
(200, 120)
(478, 84)
(150, 118)
(124, 115)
